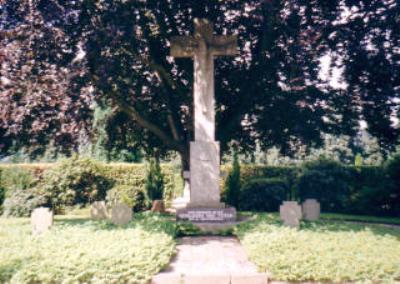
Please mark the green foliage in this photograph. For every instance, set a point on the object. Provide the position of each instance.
(128, 195)
(134, 175)
(392, 169)
(322, 251)
(360, 218)
(14, 178)
(358, 160)
(21, 202)
(154, 180)
(74, 181)
(78, 250)
(327, 181)
(233, 183)
(370, 191)
(263, 194)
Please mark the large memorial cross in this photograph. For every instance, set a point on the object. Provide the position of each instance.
(203, 46)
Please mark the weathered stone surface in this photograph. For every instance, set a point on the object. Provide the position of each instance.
(203, 46)
(41, 220)
(258, 278)
(204, 174)
(201, 279)
(167, 279)
(208, 257)
(290, 213)
(121, 214)
(158, 206)
(311, 209)
(207, 214)
(98, 210)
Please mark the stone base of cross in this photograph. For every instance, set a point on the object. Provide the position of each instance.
(203, 47)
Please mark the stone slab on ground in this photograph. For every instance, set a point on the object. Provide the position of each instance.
(210, 260)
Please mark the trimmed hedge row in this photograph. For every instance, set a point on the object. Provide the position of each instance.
(366, 190)
(79, 181)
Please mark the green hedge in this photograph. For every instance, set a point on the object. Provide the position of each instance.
(263, 194)
(70, 174)
(367, 190)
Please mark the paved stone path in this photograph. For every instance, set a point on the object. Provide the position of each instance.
(210, 260)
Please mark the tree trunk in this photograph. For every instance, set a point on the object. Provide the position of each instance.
(185, 160)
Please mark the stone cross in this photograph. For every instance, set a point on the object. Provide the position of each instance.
(203, 46)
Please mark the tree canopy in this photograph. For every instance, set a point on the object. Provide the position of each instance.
(59, 57)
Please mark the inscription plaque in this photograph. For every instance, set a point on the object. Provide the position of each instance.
(207, 214)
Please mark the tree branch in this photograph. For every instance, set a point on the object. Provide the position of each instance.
(132, 112)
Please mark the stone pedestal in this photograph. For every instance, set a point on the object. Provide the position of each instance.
(204, 175)
(290, 213)
(41, 220)
(207, 215)
(311, 209)
(98, 210)
(121, 214)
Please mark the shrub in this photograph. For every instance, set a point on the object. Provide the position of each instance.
(21, 203)
(232, 183)
(75, 181)
(263, 194)
(154, 180)
(14, 178)
(327, 181)
(128, 195)
(392, 170)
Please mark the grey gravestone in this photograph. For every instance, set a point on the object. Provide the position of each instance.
(41, 220)
(121, 214)
(311, 209)
(98, 210)
(290, 213)
(203, 46)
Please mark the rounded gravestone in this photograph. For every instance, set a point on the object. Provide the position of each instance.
(121, 214)
(311, 209)
(98, 210)
(41, 220)
(290, 213)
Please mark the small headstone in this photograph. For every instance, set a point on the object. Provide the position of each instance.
(158, 206)
(121, 214)
(41, 220)
(290, 213)
(311, 209)
(98, 210)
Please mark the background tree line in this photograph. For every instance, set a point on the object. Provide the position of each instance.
(79, 72)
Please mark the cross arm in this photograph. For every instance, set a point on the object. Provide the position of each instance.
(224, 45)
(183, 46)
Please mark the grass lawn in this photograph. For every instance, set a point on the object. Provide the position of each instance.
(360, 218)
(80, 250)
(322, 251)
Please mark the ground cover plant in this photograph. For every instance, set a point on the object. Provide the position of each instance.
(360, 218)
(77, 249)
(322, 251)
